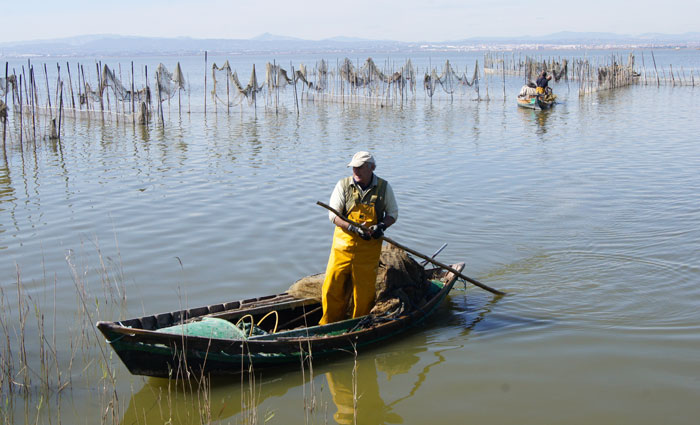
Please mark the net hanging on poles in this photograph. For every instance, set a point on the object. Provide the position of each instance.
(450, 80)
(8, 83)
(228, 89)
(168, 83)
(110, 81)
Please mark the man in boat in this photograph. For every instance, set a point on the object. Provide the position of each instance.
(369, 200)
(543, 83)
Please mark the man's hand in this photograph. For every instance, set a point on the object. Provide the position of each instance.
(377, 230)
(359, 231)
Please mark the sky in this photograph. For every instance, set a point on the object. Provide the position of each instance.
(406, 20)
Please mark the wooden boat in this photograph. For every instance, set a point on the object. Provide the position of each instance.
(206, 340)
(535, 102)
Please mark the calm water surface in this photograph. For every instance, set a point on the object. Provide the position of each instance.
(586, 215)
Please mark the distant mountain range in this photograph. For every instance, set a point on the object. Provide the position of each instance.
(117, 45)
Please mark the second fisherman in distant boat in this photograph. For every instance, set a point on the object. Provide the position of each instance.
(543, 83)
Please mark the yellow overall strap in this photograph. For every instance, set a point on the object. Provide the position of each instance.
(376, 196)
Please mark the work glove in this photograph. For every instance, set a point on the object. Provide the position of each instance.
(359, 231)
(377, 230)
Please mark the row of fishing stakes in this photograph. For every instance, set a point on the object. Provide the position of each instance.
(35, 115)
(110, 98)
(592, 74)
(347, 83)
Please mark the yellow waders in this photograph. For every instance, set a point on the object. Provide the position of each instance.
(353, 261)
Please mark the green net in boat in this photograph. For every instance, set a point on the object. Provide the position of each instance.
(209, 327)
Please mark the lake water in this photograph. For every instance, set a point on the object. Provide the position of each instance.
(586, 215)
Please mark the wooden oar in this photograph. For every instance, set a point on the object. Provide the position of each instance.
(416, 253)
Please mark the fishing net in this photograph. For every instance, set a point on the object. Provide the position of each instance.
(89, 95)
(528, 90)
(370, 74)
(300, 75)
(276, 77)
(557, 70)
(168, 83)
(109, 80)
(307, 287)
(609, 75)
(208, 327)
(449, 80)
(322, 76)
(7, 85)
(401, 284)
(228, 89)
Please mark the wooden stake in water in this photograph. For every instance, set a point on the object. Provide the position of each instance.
(133, 94)
(160, 100)
(70, 84)
(48, 91)
(205, 83)
(99, 89)
(504, 78)
(255, 91)
(60, 111)
(148, 95)
(21, 117)
(655, 70)
(179, 105)
(58, 80)
(228, 94)
(277, 83)
(85, 87)
(294, 80)
(673, 79)
(33, 95)
(4, 119)
(121, 95)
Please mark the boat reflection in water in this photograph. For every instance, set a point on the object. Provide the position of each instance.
(367, 402)
(163, 401)
(538, 117)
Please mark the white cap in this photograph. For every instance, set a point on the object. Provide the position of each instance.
(360, 158)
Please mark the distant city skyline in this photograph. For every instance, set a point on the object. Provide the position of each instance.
(407, 20)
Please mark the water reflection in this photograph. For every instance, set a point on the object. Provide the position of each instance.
(355, 390)
(162, 401)
(6, 191)
(365, 405)
(540, 118)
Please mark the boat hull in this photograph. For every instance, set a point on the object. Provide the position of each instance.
(535, 103)
(145, 350)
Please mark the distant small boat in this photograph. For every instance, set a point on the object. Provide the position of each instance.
(207, 339)
(537, 102)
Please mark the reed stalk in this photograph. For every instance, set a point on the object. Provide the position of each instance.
(354, 385)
